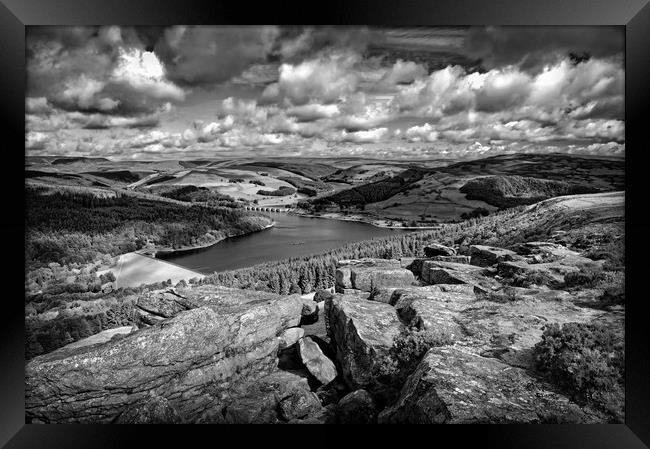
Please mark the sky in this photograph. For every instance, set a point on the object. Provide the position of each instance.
(191, 92)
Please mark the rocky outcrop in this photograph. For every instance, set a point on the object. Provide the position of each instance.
(191, 360)
(455, 259)
(383, 294)
(453, 295)
(434, 272)
(362, 332)
(415, 264)
(366, 274)
(424, 314)
(436, 249)
(369, 279)
(485, 256)
(553, 252)
(153, 409)
(434, 308)
(101, 337)
(354, 292)
(551, 274)
(543, 263)
(452, 385)
(509, 330)
(317, 363)
(164, 304)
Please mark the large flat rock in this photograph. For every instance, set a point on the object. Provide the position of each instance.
(190, 360)
(509, 331)
(485, 256)
(436, 272)
(369, 279)
(455, 386)
(425, 314)
(345, 268)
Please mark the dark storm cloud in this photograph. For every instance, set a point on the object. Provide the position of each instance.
(533, 47)
(203, 55)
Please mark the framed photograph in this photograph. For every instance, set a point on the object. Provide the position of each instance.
(368, 213)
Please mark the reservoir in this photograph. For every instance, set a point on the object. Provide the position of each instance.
(292, 236)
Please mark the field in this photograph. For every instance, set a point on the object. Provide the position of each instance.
(133, 269)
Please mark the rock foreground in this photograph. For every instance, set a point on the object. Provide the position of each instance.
(191, 360)
(209, 354)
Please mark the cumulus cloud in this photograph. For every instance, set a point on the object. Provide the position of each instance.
(96, 70)
(143, 72)
(424, 133)
(586, 89)
(313, 111)
(403, 72)
(371, 135)
(361, 111)
(324, 79)
(425, 91)
(35, 140)
(37, 105)
(98, 121)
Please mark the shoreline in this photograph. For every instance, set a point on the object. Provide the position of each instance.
(367, 221)
(163, 253)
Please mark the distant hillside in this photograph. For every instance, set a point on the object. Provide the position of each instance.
(509, 191)
(606, 173)
(374, 191)
(117, 175)
(72, 160)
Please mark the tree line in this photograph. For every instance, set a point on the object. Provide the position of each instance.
(69, 227)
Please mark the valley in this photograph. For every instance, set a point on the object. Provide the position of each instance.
(384, 193)
(519, 313)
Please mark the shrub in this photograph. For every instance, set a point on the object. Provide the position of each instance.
(587, 360)
(307, 191)
(411, 345)
(612, 296)
(586, 277)
(478, 212)
(533, 278)
(611, 282)
(408, 349)
(282, 191)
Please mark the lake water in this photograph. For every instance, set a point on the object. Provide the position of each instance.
(292, 236)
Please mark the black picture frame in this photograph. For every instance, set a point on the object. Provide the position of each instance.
(633, 14)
